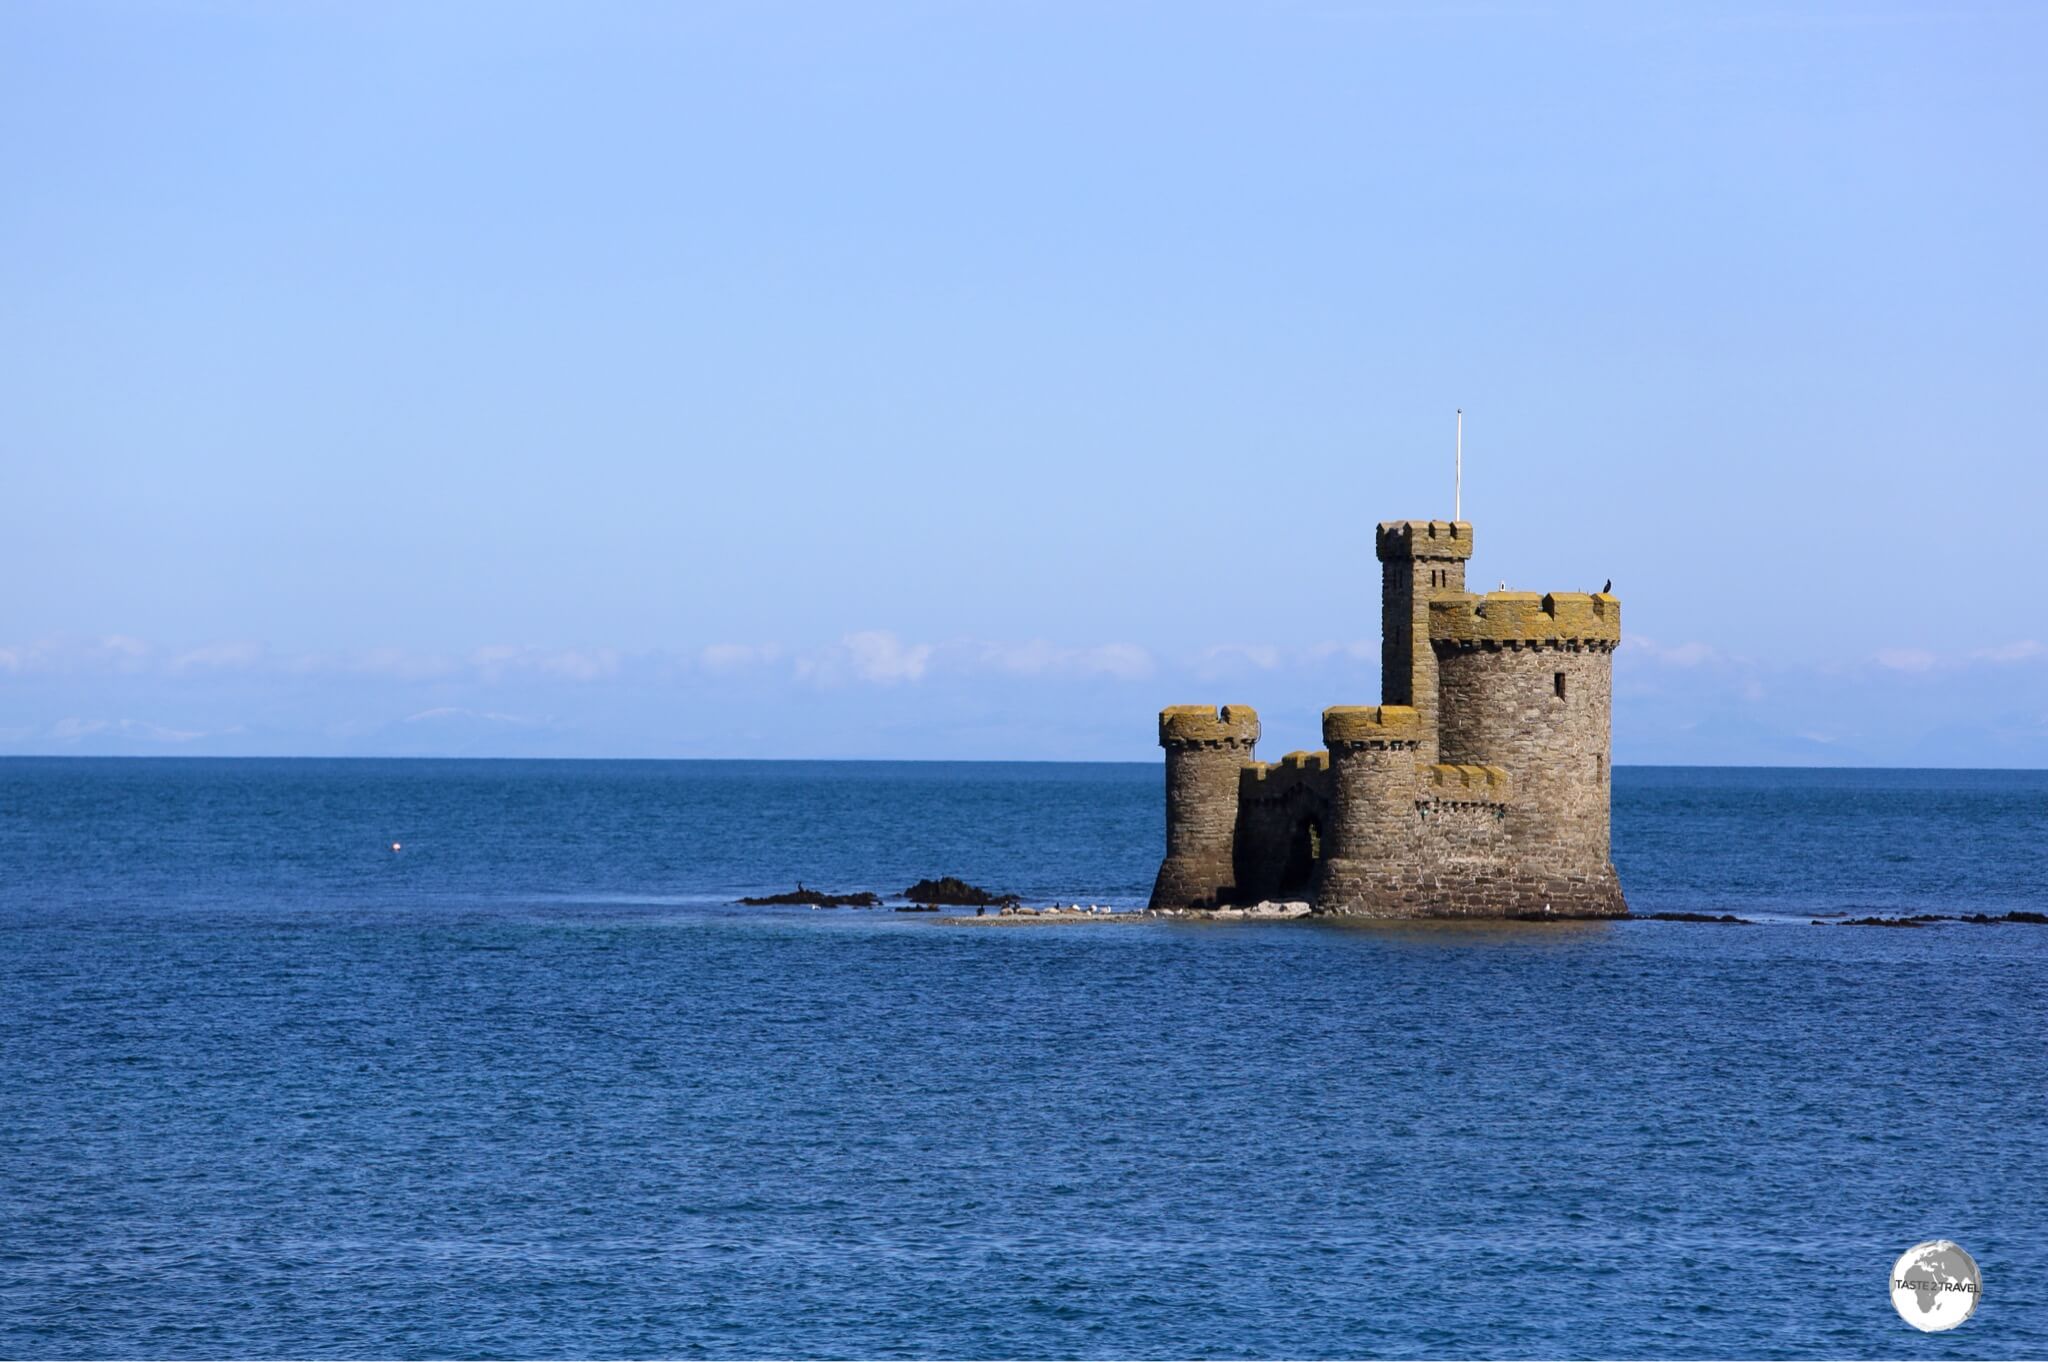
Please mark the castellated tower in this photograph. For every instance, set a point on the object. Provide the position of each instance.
(1419, 561)
(1478, 788)
(1205, 750)
(1373, 764)
(1526, 683)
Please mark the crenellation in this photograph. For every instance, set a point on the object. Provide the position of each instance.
(1479, 787)
(1209, 726)
(1524, 618)
(1423, 539)
(1464, 782)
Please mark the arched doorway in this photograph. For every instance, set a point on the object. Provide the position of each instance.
(1304, 850)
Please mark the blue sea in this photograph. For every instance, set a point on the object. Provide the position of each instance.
(533, 1085)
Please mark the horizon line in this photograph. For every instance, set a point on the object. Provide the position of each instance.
(902, 761)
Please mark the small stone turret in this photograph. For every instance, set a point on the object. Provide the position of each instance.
(1205, 749)
(1373, 749)
(1480, 787)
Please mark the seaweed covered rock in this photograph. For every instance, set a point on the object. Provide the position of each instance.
(813, 898)
(954, 893)
(1728, 918)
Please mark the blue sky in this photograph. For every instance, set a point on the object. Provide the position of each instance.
(970, 380)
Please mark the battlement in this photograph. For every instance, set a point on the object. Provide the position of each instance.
(1293, 764)
(1262, 778)
(1510, 618)
(1399, 539)
(1462, 784)
(1208, 726)
(1372, 725)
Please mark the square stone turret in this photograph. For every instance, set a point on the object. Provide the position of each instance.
(1420, 560)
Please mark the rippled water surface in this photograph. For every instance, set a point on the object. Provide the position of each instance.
(532, 1086)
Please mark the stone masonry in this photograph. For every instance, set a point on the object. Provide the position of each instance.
(1478, 789)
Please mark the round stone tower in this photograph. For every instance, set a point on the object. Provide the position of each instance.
(1373, 750)
(1526, 683)
(1205, 750)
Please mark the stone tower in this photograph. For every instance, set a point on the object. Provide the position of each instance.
(1419, 561)
(1479, 787)
(1526, 683)
(1373, 761)
(1206, 748)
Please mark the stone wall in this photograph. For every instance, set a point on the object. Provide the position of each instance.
(1461, 837)
(1283, 826)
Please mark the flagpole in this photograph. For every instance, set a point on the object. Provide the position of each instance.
(1458, 494)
